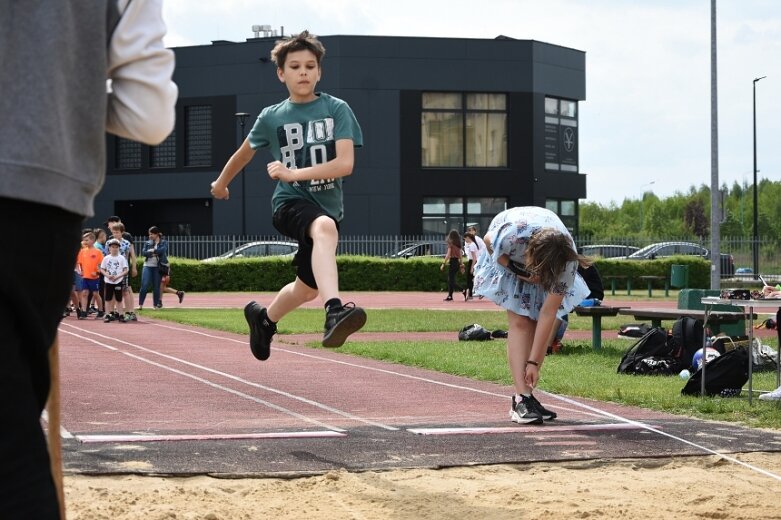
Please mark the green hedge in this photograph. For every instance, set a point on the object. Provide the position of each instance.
(365, 273)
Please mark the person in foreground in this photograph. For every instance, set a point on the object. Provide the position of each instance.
(530, 267)
(770, 291)
(56, 110)
(311, 137)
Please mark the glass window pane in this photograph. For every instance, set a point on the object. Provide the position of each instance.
(128, 154)
(486, 139)
(486, 205)
(569, 108)
(442, 139)
(551, 106)
(441, 100)
(164, 154)
(568, 208)
(486, 101)
(198, 135)
(552, 205)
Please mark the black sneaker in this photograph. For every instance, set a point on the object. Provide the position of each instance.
(547, 415)
(100, 315)
(180, 295)
(260, 330)
(341, 322)
(524, 412)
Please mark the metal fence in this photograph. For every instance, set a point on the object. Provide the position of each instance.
(200, 247)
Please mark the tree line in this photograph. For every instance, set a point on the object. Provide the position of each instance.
(685, 216)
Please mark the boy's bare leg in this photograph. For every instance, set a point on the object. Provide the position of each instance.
(289, 298)
(325, 238)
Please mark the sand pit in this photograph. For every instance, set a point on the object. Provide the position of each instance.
(686, 487)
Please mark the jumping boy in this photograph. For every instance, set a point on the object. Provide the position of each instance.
(114, 269)
(311, 137)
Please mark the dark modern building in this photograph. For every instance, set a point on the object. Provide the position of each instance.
(455, 130)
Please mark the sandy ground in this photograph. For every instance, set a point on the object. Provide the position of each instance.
(688, 487)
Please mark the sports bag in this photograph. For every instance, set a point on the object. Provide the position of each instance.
(652, 344)
(474, 332)
(686, 339)
(724, 375)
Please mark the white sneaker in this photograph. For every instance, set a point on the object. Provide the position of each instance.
(775, 395)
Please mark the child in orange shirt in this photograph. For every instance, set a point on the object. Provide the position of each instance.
(88, 260)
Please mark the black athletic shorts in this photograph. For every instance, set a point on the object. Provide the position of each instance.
(293, 220)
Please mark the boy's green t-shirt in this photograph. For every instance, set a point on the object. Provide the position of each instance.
(305, 134)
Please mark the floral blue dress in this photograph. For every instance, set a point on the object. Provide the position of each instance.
(510, 232)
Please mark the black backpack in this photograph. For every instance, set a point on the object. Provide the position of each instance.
(724, 375)
(653, 344)
(686, 339)
(474, 332)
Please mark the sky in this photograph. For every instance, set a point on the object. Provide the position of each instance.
(645, 125)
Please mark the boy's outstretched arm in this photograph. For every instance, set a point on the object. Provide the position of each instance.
(238, 160)
(339, 166)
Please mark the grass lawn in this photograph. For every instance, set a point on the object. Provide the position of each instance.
(577, 371)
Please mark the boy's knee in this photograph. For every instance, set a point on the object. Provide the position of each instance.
(323, 226)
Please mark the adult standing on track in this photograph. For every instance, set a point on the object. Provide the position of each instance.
(156, 252)
(56, 59)
(530, 267)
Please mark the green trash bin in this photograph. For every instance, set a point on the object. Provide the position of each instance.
(679, 276)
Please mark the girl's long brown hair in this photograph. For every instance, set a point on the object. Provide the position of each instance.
(547, 254)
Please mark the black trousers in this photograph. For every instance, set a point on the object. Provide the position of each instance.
(470, 279)
(452, 271)
(35, 283)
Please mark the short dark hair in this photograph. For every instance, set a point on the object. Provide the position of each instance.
(303, 41)
(155, 230)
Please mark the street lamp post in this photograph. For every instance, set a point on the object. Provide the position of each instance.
(242, 118)
(755, 235)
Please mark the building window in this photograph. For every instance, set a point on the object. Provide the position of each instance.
(128, 154)
(441, 214)
(198, 135)
(561, 135)
(164, 154)
(464, 130)
(567, 210)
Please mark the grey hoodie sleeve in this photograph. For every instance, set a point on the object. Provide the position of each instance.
(143, 98)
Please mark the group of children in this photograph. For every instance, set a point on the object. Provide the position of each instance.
(101, 275)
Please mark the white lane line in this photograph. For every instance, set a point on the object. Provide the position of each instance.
(525, 430)
(670, 436)
(64, 434)
(209, 383)
(98, 438)
(288, 395)
(374, 369)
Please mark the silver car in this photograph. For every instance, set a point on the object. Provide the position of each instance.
(257, 249)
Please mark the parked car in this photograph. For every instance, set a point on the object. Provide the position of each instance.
(665, 249)
(435, 249)
(255, 249)
(744, 270)
(608, 251)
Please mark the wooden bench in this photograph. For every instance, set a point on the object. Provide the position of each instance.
(596, 314)
(715, 318)
(652, 279)
(613, 282)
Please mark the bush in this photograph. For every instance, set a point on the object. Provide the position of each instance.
(367, 273)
